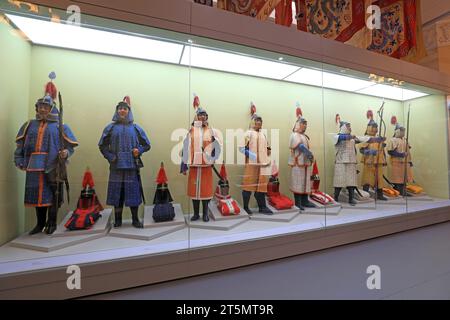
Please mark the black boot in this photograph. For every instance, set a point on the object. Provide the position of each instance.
(396, 186)
(366, 187)
(400, 188)
(196, 205)
(205, 210)
(298, 201)
(246, 199)
(135, 219)
(118, 217)
(380, 195)
(351, 196)
(57, 193)
(41, 213)
(261, 200)
(50, 226)
(306, 203)
(337, 192)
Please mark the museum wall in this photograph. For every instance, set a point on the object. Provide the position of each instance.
(15, 62)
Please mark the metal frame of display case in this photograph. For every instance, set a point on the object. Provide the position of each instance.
(193, 19)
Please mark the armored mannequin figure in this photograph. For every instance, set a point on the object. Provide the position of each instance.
(201, 148)
(301, 160)
(373, 158)
(39, 148)
(122, 143)
(400, 158)
(257, 164)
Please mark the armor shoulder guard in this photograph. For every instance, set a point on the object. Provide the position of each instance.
(106, 132)
(69, 136)
(335, 139)
(23, 130)
(141, 133)
(215, 136)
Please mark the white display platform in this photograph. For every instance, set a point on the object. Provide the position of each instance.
(212, 224)
(400, 201)
(389, 199)
(150, 223)
(215, 214)
(101, 226)
(360, 206)
(128, 231)
(334, 210)
(419, 197)
(47, 243)
(14, 259)
(332, 204)
(277, 216)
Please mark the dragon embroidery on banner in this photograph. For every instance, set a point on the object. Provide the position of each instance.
(328, 17)
(392, 33)
(260, 9)
(345, 21)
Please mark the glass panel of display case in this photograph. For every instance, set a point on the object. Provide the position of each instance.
(245, 143)
(265, 130)
(122, 94)
(420, 169)
(373, 115)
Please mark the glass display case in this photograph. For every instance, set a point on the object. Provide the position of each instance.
(253, 145)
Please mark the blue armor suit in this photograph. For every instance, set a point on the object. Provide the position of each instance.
(37, 149)
(117, 142)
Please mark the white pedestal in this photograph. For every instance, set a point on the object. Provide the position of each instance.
(420, 197)
(128, 231)
(47, 243)
(286, 215)
(223, 225)
(334, 210)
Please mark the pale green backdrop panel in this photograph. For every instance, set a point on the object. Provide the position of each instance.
(14, 92)
(428, 140)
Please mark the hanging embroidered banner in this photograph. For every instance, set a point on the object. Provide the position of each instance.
(398, 34)
(345, 21)
(260, 9)
(337, 20)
